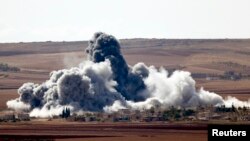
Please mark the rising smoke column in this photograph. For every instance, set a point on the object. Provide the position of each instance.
(105, 82)
(105, 47)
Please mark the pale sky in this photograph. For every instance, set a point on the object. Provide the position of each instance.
(71, 20)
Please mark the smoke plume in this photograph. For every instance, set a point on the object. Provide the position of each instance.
(105, 82)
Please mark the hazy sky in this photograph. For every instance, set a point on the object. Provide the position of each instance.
(57, 20)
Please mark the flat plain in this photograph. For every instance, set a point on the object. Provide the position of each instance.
(212, 57)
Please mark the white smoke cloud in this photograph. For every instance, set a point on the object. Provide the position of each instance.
(176, 90)
(88, 87)
(46, 112)
(18, 105)
(229, 101)
(117, 105)
(107, 83)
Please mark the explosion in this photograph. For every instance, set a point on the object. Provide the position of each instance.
(105, 82)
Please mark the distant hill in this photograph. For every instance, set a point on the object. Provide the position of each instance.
(7, 49)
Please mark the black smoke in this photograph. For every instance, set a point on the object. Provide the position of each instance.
(106, 47)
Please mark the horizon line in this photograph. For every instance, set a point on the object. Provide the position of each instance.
(139, 38)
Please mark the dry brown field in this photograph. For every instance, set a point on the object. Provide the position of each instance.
(65, 131)
(38, 59)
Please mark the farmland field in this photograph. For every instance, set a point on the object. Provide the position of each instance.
(36, 60)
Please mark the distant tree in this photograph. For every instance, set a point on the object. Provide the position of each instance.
(239, 108)
(177, 116)
(233, 108)
(244, 109)
(13, 118)
(165, 115)
(152, 111)
(173, 113)
(6, 67)
(88, 114)
(188, 112)
(65, 113)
